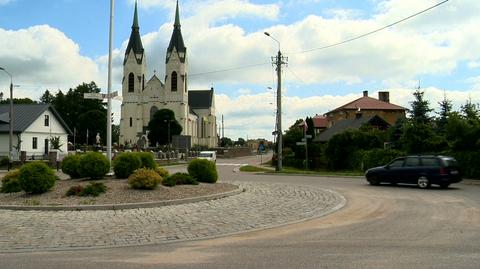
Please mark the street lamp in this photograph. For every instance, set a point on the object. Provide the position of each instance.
(10, 138)
(279, 61)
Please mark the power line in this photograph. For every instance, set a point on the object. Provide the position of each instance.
(371, 32)
(229, 69)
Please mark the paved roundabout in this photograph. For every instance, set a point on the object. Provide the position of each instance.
(261, 206)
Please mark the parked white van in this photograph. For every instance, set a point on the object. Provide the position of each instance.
(208, 155)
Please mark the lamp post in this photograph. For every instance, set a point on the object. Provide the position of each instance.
(279, 60)
(10, 138)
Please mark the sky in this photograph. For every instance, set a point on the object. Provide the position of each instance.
(57, 45)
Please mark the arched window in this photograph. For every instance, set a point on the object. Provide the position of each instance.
(186, 82)
(174, 81)
(131, 82)
(153, 110)
(131, 121)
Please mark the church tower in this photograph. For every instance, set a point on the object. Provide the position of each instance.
(133, 84)
(176, 74)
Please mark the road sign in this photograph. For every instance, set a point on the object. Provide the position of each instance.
(308, 136)
(300, 143)
(93, 95)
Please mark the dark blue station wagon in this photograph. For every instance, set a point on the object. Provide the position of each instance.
(422, 170)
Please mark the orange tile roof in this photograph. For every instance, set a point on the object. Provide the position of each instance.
(368, 103)
(320, 122)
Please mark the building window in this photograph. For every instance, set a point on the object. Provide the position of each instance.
(186, 83)
(34, 143)
(174, 81)
(47, 120)
(153, 110)
(131, 82)
(131, 121)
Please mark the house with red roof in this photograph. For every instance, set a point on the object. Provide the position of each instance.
(368, 107)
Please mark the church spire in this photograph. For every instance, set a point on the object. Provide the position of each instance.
(135, 42)
(176, 41)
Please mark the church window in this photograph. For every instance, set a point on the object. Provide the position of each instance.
(131, 81)
(143, 82)
(131, 122)
(153, 110)
(174, 81)
(186, 82)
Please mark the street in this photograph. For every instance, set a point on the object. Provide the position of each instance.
(379, 227)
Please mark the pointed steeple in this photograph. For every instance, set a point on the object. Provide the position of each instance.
(135, 42)
(176, 41)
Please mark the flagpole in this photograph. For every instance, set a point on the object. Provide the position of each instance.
(109, 93)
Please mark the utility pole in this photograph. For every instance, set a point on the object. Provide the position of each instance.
(109, 93)
(223, 128)
(278, 61)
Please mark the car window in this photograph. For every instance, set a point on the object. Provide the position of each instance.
(450, 162)
(412, 161)
(430, 161)
(396, 163)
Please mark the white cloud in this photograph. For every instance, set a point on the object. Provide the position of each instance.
(42, 57)
(5, 2)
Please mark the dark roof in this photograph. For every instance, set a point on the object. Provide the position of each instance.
(24, 115)
(343, 125)
(200, 99)
(176, 41)
(135, 42)
(368, 103)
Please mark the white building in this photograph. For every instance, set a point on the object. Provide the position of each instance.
(194, 110)
(33, 127)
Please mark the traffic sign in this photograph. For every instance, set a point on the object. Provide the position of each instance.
(301, 143)
(93, 95)
(308, 136)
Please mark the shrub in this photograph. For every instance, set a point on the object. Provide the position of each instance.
(183, 179)
(469, 162)
(379, 157)
(203, 170)
(162, 172)
(93, 189)
(36, 177)
(125, 164)
(147, 160)
(75, 190)
(70, 166)
(10, 182)
(144, 179)
(94, 165)
(169, 181)
(4, 161)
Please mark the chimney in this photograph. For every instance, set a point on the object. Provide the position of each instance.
(365, 93)
(384, 96)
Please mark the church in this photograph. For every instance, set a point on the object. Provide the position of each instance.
(194, 109)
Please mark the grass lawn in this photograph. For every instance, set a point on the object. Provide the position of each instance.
(291, 170)
(251, 168)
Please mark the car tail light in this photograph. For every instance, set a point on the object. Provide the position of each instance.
(443, 171)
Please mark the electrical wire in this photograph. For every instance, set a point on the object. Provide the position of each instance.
(371, 32)
(229, 69)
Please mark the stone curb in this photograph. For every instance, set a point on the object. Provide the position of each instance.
(124, 206)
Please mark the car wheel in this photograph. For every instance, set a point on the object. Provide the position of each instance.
(373, 180)
(444, 185)
(423, 182)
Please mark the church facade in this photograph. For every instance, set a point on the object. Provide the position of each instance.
(194, 110)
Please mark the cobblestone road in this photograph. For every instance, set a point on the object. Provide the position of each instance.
(261, 206)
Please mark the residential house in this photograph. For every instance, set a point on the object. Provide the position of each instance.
(320, 124)
(33, 127)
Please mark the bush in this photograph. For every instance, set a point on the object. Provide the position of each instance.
(94, 165)
(183, 179)
(4, 161)
(379, 157)
(70, 166)
(147, 160)
(10, 182)
(203, 171)
(162, 172)
(36, 177)
(469, 162)
(144, 179)
(94, 189)
(75, 190)
(169, 181)
(125, 164)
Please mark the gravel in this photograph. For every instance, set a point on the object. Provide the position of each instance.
(118, 192)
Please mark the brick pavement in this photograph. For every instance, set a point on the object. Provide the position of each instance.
(260, 206)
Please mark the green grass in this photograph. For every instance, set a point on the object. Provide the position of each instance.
(291, 170)
(251, 168)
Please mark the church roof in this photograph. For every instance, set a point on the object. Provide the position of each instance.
(176, 41)
(135, 42)
(200, 99)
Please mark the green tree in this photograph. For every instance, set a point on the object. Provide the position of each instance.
(18, 101)
(115, 133)
(420, 108)
(240, 142)
(421, 138)
(159, 126)
(445, 110)
(47, 97)
(95, 121)
(226, 142)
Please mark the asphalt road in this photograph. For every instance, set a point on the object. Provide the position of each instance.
(380, 227)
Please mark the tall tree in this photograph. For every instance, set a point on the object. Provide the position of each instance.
(470, 111)
(163, 123)
(445, 110)
(47, 97)
(420, 108)
(18, 101)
